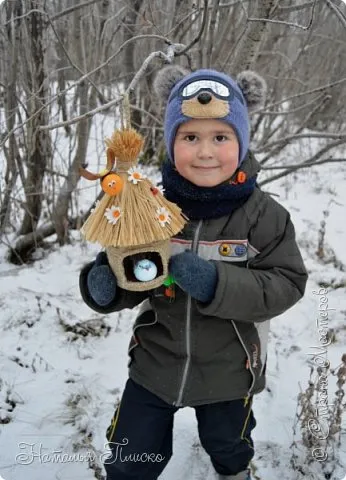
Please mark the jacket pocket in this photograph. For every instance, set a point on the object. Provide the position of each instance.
(146, 318)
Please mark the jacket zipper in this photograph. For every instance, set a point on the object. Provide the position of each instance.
(249, 358)
(194, 248)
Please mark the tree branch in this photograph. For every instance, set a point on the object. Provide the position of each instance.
(312, 160)
(226, 5)
(71, 61)
(289, 24)
(73, 8)
(304, 165)
(272, 152)
(295, 8)
(200, 33)
(297, 95)
(283, 22)
(182, 21)
(298, 136)
(294, 110)
(171, 51)
(89, 114)
(27, 14)
(55, 17)
(328, 37)
(34, 238)
(77, 82)
(337, 11)
(166, 57)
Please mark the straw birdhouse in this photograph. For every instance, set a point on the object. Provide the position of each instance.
(133, 220)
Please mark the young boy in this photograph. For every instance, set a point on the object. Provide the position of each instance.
(236, 265)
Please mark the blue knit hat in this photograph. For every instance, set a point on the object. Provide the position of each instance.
(204, 84)
(210, 94)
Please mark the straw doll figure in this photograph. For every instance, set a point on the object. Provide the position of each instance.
(133, 220)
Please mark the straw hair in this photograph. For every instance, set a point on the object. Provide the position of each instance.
(139, 203)
(126, 146)
(137, 224)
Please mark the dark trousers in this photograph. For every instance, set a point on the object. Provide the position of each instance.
(141, 433)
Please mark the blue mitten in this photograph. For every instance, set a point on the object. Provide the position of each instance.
(194, 275)
(101, 281)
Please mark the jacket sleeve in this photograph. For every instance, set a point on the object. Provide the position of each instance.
(123, 299)
(274, 279)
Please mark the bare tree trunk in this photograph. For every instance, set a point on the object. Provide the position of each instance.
(62, 86)
(60, 212)
(213, 23)
(248, 47)
(13, 9)
(39, 148)
(129, 57)
(181, 9)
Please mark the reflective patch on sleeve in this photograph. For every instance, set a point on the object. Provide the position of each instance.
(178, 246)
(224, 250)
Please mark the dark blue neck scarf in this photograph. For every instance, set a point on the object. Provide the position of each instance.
(204, 202)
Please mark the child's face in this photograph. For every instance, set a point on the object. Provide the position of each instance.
(206, 151)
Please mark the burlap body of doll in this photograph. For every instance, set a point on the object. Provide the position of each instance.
(123, 260)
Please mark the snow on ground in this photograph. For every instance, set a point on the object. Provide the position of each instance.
(63, 366)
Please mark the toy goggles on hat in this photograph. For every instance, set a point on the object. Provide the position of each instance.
(218, 89)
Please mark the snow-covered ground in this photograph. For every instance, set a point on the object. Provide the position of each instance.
(63, 366)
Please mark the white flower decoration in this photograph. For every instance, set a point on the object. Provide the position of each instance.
(163, 216)
(135, 175)
(113, 214)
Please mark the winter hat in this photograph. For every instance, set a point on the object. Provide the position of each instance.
(207, 93)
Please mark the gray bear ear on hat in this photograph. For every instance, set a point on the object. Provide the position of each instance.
(166, 78)
(254, 89)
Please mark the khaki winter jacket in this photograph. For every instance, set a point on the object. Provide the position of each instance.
(189, 353)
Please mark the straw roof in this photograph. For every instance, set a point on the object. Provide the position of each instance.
(139, 214)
